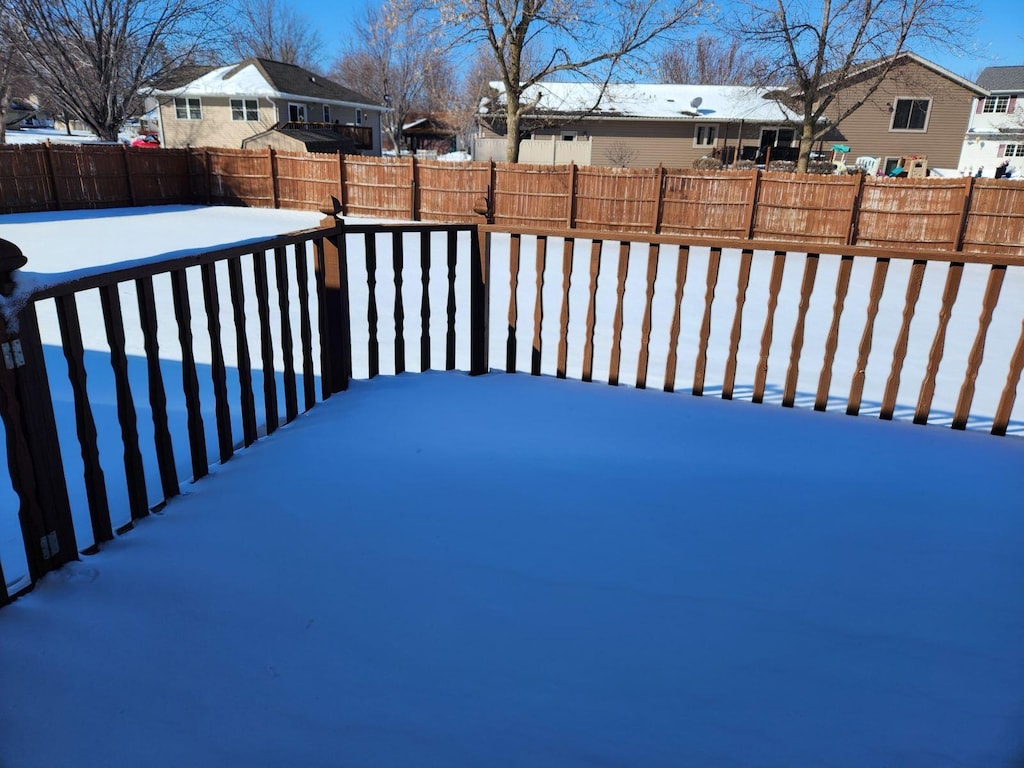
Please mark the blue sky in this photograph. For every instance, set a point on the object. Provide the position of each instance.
(998, 39)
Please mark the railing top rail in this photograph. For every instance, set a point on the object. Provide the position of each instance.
(115, 275)
(787, 246)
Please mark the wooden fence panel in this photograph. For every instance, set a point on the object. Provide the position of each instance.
(378, 186)
(306, 181)
(910, 213)
(24, 179)
(89, 178)
(805, 207)
(449, 191)
(707, 203)
(531, 195)
(995, 219)
(239, 177)
(617, 199)
(158, 177)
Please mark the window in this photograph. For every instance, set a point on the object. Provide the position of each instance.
(996, 104)
(359, 117)
(777, 137)
(245, 109)
(910, 114)
(705, 135)
(327, 113)
(188, 109)
(1012, 150)
(568, 135)
(296, 113)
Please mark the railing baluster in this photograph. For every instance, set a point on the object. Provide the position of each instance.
(568, 245)
(899, 353)
(189, 379)
(95, 483)
(645, 328)
(373, 344)
(742, 281)
(305, 328)
(864, 351)
(449, 357)
(513, 303)
(672, 359)
(259, 260)
(949, 294)
(1002, 416)
(793, 371)
(588, 345)
(291, 399)
(620, 297)
(248, 400)
(832, 341)
(157, 394)
(700, 368)
(538, 307)
(222, 409)
(110, 302)
(992, 289)
(774, 286)
(425, 300)
(397, 262)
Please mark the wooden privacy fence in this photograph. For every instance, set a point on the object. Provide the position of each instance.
(969, 215)
(354, 301)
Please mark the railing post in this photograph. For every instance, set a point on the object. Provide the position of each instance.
(479, 299)
(33, 448)
(332, 285)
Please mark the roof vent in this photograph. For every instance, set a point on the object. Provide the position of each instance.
(312, 79)
(696, 102)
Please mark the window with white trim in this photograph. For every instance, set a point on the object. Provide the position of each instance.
(327, 113)
(910, 114)
(296, 113)
(188, 109)
(245, 109)
(1013, 150)
(996, 104)
(568, 135)
(705, 135)
(359, 117)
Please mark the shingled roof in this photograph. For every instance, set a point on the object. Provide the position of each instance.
(1002, 78)
(298, 81)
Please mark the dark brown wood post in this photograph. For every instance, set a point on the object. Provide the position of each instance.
(414, 191)
(208, 176)
(479, 298)
(332, 284)
(274, 188)
(659, 193)
(128, 174)
(570, 218)
(851, 225)
(961, 229)
(755, 182)
(52, 173)
(342, 191)
(33, 449)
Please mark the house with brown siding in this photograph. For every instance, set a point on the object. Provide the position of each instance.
(639, 125)
(259, 103)
(920, 109)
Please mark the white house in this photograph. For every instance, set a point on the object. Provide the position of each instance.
(995, 133)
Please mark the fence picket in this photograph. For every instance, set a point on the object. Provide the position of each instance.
(1009, 393)
(397, 263)
(588, 343)
(742, 281)
(222, 408)
(832, 340)
(568, 244)
(513, 303)
(899, 353)
(538, 307)
(189, 379)
(793, 371)
(305, 328)
(949, 294)
(992, 289)
(671, 360)
(645, 327)
(774, 286)
(620, 296)
(266, 341)
(291, 404)
(424, 300)
(864, 350)
(449, 358)
(248, 400)
(700, 367)
(372, 316)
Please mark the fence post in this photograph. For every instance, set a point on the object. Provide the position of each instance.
(52, 174)
(659, 193)
(851, 226)
(342, 192)
(479, 298)
(208, 173)
(128, 174)
(570, 219)
(755, 182)
(332, 285)
(961, 230)
(414, 191)
(274, 190)
(33, 448)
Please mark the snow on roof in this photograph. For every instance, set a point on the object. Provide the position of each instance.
(658, 101)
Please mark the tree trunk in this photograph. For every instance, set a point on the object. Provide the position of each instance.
(512, 128)
(806, 144)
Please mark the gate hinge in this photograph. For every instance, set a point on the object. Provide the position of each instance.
(50, 545)
(13, 358)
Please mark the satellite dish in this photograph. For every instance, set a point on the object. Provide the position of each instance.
(696, 102)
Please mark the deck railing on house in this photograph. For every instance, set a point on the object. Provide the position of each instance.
(311, 310)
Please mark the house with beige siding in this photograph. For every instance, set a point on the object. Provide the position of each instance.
(995, 135)
(639, 125)
(259, 103)
(920, 109)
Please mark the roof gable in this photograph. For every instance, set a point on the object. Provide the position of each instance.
(1002, 78)
(864, 70)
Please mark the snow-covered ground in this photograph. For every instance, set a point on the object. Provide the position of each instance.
(438, 570)
(441, 570)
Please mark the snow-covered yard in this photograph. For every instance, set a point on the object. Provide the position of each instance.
(504, 570)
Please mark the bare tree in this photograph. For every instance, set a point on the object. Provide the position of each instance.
(271, 29)
(819, 47)
(390, 60)
(710, 60)
(533, 40)
(95, 56)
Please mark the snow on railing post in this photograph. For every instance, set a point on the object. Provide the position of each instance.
(332, 289)
(33, 449)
